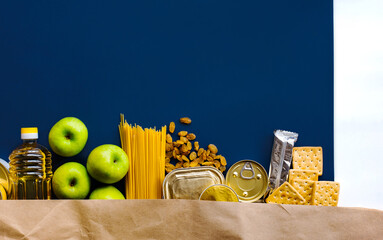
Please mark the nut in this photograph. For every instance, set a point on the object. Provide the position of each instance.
(182, 133)
(172, 127)
(169, 154)
(200, 151)
(186, 164)
(184, 139)
(207, 164)
(169, 138)
(169, 165)
(185, 120)
(185, 158)
(184, 148)
(223, 161)
(217, 164)
(193, 156)
(178, 143)
(196, 145)
(181, 150)
(169, 147)
(194, 163)
(179, 165)
(212, 148)
(191, 136)
(176, 151)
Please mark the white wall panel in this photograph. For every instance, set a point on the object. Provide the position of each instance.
(358, 52)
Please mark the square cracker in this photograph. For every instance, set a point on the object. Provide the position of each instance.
(303, 175)
(325, 193)
(304, 187)
(286, 194)
(308, 158)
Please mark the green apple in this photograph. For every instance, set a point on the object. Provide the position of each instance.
(71, 180)
(107, 163)
(106, 192)
(68, 137)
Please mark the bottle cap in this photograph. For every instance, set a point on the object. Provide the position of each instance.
(29, 133)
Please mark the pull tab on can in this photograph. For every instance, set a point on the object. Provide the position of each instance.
(247, 167)
(248, 179)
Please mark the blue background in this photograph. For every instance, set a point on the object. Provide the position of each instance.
(240, 70)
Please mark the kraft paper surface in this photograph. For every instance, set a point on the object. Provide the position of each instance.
(183, 219)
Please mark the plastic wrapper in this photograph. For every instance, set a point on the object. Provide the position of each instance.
(281, 157)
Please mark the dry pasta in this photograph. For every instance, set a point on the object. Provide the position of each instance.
(146, 151)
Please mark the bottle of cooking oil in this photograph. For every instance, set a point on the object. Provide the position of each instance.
(30, 168)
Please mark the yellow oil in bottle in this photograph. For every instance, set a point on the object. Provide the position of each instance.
(30, 168)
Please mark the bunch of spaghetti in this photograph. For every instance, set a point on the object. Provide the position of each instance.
(146, 151)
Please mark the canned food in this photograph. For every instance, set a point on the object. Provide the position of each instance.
(189, 183)
(248, 179)
(219, 192)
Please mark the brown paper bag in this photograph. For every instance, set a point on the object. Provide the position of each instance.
(182, 219)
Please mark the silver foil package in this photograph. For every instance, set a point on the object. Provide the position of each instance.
(281, 157)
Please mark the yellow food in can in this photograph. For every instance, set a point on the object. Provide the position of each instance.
(219, 192)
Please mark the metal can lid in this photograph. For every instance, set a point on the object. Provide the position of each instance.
(189, 183)
(248, 179)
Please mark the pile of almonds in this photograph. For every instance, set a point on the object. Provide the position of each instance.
(188, 153)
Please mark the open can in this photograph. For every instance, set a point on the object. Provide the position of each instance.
(219, 192)
(248, 179)
(189, 183)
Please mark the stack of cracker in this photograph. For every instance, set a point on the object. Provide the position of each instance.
(303, 187)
